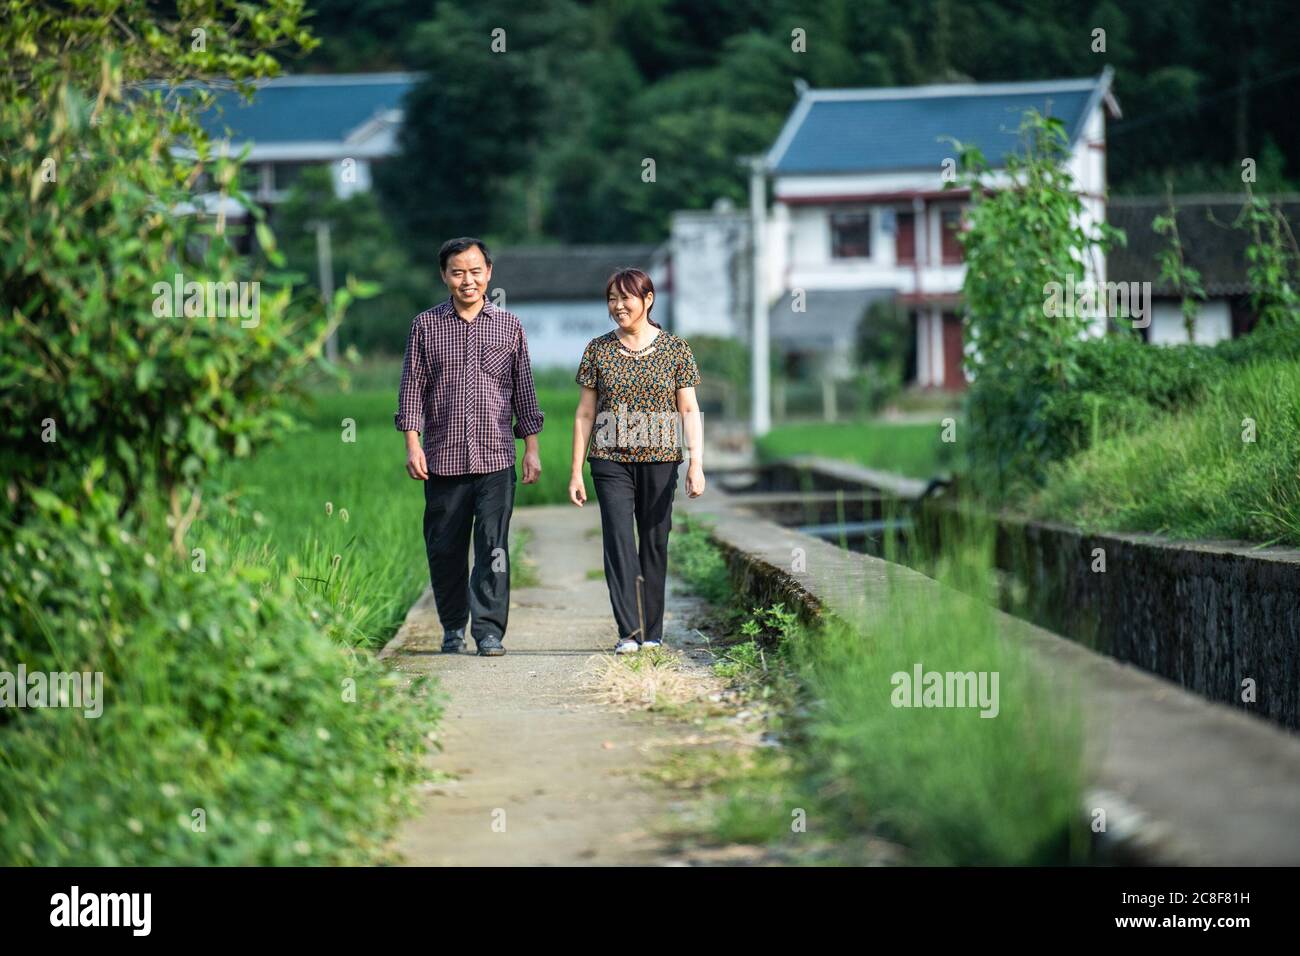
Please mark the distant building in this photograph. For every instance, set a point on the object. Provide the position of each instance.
(345, 122)
(558, 292)
(712, 265)
(1210, 245)
(860, 214)
(348, 122)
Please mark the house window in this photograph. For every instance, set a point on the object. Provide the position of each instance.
(949, 228)
(905, 239)
(288, 174)
(851, 235)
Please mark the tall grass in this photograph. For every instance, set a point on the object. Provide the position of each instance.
(343, 519)
(952, 786)
(1195, 474)
(232, 732)
(554, 445)
(948, 785)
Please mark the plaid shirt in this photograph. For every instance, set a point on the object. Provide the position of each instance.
(460, 383)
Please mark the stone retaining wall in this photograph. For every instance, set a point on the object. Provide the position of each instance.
(1213, 617)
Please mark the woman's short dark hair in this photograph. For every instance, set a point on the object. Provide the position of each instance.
(633, 282)
(454, 247)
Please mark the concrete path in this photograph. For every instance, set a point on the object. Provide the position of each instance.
(540, 772)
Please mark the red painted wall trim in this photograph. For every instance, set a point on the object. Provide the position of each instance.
(907, 195)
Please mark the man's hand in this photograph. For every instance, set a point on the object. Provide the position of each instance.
(532, 466)
(532, 460)
(416, 466)
(577, 490)
(694, 479)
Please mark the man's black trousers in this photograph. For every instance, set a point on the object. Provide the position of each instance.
(636, 495)
(453, 506)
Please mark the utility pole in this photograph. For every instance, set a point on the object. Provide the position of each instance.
(325, 269)
(760, 383)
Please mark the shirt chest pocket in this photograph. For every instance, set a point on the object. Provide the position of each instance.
(496, 360)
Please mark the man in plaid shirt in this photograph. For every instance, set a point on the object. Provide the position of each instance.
(465, 375)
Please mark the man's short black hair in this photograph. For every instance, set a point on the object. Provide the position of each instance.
(454, 247)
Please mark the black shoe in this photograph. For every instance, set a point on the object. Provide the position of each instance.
(490, 646)
(453, 642)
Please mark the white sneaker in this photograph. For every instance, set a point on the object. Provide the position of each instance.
(651, 643)
(627, 646)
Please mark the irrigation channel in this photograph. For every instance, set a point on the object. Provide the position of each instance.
(1188, 769)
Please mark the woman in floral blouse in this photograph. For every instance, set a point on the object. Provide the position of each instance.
(638, 400)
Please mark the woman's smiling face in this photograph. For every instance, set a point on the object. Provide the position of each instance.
(627, 308)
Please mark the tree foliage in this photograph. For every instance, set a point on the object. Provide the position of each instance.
(102, 376)
(1028, 234)
(223, 736)
(587, 89)
(1045, 387)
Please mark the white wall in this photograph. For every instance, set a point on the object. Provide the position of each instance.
(1213, 323)
(809, 264)
(710, 270)
(1087, 167)
(856, 184)
(809, 237)
(559, 331)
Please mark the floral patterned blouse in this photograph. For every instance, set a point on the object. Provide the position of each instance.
(636, 396)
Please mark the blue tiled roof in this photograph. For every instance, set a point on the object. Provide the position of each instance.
(298, 108)
(895, 129)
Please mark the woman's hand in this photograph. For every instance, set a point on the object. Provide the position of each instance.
(577, 491)
(694, 479)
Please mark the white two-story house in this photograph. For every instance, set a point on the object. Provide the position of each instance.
(860, 213)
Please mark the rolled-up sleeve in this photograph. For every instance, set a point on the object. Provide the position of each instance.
(528, 416)
(410, 393)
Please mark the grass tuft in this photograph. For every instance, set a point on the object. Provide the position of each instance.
(1196, 473)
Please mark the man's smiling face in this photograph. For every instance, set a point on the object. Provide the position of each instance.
(467, 276)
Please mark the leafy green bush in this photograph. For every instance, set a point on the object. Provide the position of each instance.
(1045, 388)
(722, 360)
(97, 364)
(224, 691)
(1122, 385)
(883, 342)
(220, 695)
